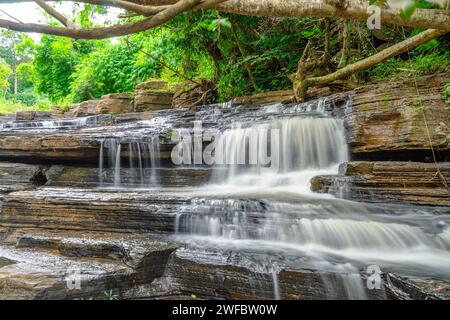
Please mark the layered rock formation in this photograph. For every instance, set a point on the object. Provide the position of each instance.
(409, 182)
(152, 96)
(115, 103)
(398, 117)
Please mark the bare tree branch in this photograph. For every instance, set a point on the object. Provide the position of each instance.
(106, 32)
(58, 16)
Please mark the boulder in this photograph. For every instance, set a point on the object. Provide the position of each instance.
(151, 100)
(85, 108)
(32, 115)
(115, 103)
(56, 112)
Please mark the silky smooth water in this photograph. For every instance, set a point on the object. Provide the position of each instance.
(262, 209)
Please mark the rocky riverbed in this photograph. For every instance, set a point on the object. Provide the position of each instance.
(93, 205)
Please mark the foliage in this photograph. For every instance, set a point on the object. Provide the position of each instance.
(430, 57)
(241, 54)
(8, 106)
(443, 132)
(110, 68)
(109, 295)
(55, 61)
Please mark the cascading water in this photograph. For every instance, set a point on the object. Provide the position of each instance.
(131, 162)
(343, 237)
(62, 124)
(296, 144)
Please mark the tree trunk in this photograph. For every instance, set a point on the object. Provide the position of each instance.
(246, 64)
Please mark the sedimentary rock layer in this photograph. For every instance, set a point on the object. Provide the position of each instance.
(398, 116)
(413, 182)
(81, 209)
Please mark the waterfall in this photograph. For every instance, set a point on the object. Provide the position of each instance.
(292, 145)
(140, 168)
(269, 209)
(328, 235)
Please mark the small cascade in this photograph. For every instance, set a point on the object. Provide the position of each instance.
(130, 162)
(271, 210)
(328, 236)
(291, 145)
(344, 281)
(59, 124)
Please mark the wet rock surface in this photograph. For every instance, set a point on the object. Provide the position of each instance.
(83, 221)
(81, 209)
(409, 182)
(52, 265)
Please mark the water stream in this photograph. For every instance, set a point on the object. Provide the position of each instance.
(265, 211)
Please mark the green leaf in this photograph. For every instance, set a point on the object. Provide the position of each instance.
(407, 12)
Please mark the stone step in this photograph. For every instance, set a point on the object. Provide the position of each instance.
(189, 274)
(84, 177)
(92, 210)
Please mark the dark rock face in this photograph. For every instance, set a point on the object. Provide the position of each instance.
(409, 182)
(15, 176)
(78, 265)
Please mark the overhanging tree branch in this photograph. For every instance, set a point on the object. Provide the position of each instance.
(58, 16)
(302, 83)
(345, 9)
(160, 11)
(167, 13)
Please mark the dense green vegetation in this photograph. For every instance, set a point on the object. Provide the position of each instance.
(241, 55)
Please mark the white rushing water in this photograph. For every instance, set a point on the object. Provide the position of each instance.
(291, 219)
(299, 148)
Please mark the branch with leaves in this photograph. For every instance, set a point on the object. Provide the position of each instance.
(157, 12)
(154, 17)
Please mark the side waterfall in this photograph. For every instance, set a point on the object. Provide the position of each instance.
(130, 162)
